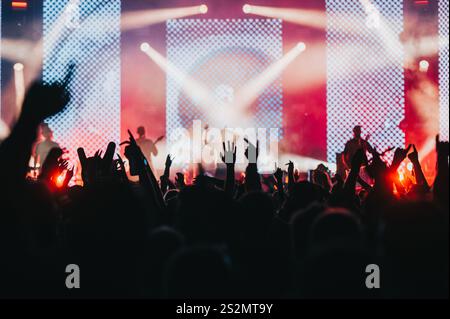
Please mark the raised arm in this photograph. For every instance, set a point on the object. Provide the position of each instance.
(291, 178)
(420, 177)
(229, 158)
(146, 176)
(41, 101)
(252, 180)
(441, 183)
(278, 175)
(165, 177)
(350, 183)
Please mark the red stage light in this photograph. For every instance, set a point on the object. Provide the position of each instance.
(19, 4)
(422, 2)
(59, 180)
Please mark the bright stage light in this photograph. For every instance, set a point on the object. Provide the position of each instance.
(424, 65)
(376, 20)
(142, 18)
(19, 82)
(19, 4)
(4, 130)
(239, 51)
(18, 67)
(145, 46)
(247, 9)
(409, 167)
(203, 9)
(301, 46)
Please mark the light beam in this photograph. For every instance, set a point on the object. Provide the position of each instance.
(142, 18)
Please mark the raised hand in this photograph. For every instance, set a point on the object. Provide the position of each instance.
(420, 177)
(41, 101)
(121, 168)
(165, 182)
(229, 158)
(278, 174)
(252, 151)
(377, 168)
(400, 154)
(139, 166)
(229, 153)
(442, 147)
(414, 155)
(441, 184)
(290, 166)
(96, 167)
(58, 182)
(50, 164)
(107, 162)
(68, 177)
(135, 156)
(169, 161)
(44, 100)
(291, 176)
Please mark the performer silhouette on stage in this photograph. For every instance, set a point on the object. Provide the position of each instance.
(147, 146)
(354, 144)
(44, 146)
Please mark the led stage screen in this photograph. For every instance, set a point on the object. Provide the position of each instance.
(222, 56)
(86, 33)
(365, 80)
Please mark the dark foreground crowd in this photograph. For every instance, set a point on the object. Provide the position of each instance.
(255, 238)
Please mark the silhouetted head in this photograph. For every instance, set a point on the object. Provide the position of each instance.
(301, 223)
(198, 272)
(336, 226)
(203, 214)
(302, 194)
(141, 131)
(334, 273)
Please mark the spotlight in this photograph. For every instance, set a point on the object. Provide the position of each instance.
(142, 18)
(301, 46)
(307, 17)
(19, 82)
(145, 46)
(203, 9)
(247, 9)
(19, 4)
(410, 166)
(18, 67)
(424, 65)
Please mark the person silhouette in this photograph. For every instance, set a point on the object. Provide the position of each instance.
(147, 146)
(45, 144)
